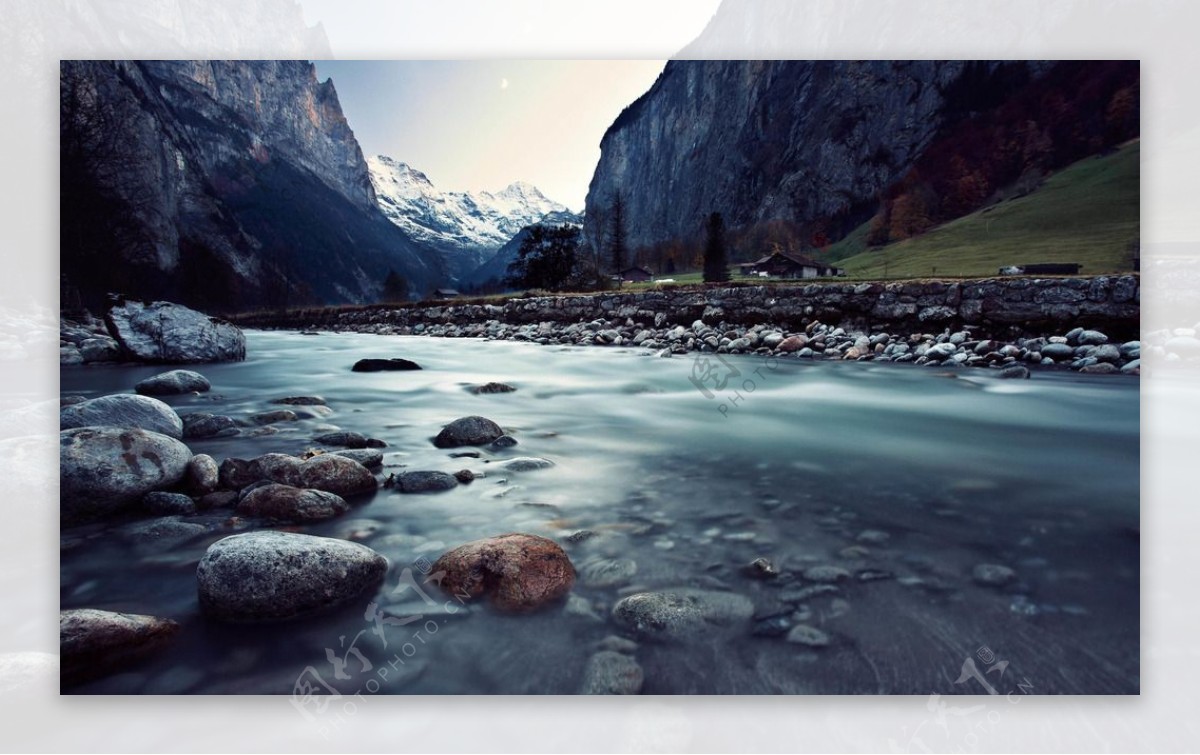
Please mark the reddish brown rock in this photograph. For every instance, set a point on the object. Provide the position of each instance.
(518, 573)
(793, 343)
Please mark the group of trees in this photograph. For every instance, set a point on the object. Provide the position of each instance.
(559, 258)
(1003, 145)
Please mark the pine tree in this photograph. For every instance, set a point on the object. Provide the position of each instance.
(617, 249)
(395, 288)
(716, 256)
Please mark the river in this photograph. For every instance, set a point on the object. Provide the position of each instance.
(909, 474)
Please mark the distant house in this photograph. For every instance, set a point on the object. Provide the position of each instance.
(783, 265)
(444, 293)
(635, 274)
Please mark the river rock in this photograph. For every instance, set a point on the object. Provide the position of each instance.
(792, 343)
(803, 634)
(607, 572)
(826, 574)
(1092, 338)
(279, 468)
(504, 441)
(173, 383)
(611, 673)
(274, 415)
(468, 431)
(368, 457)
(384, 365)
(516, 572)
(425, 482)
(284, 502)
(337, 474)
(761, 568)
(681, 614)
(274, 576)
(524, 464)
(300, 401)
(1058, 351)
(1014, 372)
(163, 332)
(205, 425)
(487, 388)
(347, 438)
(162, 503)
(203, 475)
(1100, 368)
(104, 469)
(94, 643)
(123, 410)
(993, 575)
(99, 349)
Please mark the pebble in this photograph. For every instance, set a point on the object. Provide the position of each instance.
(611, 673)
(825, 574)
(607, 572)
(809, 636)
(993, 575)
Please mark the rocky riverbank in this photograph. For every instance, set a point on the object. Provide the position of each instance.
(126, 471)
(1003, 323)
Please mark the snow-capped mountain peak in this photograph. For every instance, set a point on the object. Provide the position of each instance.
(478, 223)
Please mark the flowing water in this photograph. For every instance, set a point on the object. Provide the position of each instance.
(905, 473)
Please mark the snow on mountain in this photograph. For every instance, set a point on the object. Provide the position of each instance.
(466, 227)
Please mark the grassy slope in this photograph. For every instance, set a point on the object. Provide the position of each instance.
(1087, 213)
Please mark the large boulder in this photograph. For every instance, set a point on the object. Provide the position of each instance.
(173, 382)
(468, 431)
(93, 643)
(162, 332)
(516, 572)
(275, 576)
(286, 503)
(104, 469)
(123, 410)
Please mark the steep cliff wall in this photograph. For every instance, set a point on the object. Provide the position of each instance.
(223, 185)
(761, 140)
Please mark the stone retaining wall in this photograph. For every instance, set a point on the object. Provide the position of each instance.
(996, 307)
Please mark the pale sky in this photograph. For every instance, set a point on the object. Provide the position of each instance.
(472, 125)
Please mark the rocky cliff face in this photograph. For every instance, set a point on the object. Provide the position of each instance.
(221, 184)
(765, 140)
